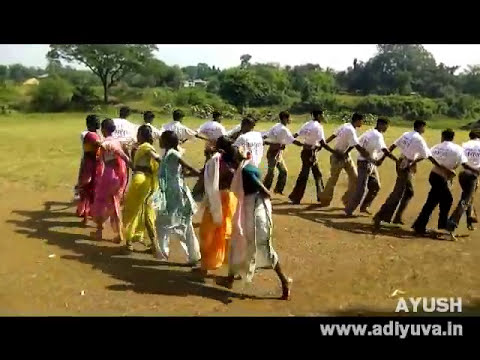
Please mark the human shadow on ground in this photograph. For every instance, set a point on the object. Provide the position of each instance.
(349, 224)
(142, 272)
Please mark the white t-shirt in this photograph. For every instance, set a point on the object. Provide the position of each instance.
(373, 142)
(279, 134)
(472, 152)
(312, 133)
(125, 131)
(449, 154)
(183, 133)
(346, 137)
(156, 133)
(236, 129)
(413, 146)
(212, 130)
(252, 142)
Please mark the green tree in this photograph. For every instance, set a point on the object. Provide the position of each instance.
(245, 60)
(109, 62)
(3, 74)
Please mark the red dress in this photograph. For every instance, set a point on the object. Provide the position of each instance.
(90, 167)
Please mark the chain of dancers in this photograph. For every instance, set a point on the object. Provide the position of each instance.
(142, 192)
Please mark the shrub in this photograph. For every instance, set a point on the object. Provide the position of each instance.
(318, 101)
(51, 95)
(84, 97)
(162, 96)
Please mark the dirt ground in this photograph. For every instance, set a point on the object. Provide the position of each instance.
(47, 262)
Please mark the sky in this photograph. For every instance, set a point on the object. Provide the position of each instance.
(338, 57)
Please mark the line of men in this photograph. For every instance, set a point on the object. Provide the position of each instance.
(363, 179)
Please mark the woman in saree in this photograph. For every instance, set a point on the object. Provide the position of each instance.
(175, 205)
(216, 224)
(138, 212)
(111, 183)
(251, 244)
(89, 167)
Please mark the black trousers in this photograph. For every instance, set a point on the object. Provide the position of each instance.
(309, 161)
(439, 194)
(468, 183)
(399, 198)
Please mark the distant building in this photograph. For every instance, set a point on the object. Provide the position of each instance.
(31, 81)
(194, 83)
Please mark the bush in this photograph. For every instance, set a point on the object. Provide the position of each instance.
(126, 93)
(161, 97)
(84, 97)
(51, 95)
(411, 108)
(318, 101)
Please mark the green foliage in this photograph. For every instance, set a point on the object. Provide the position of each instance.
(52, 95)
(109, 62)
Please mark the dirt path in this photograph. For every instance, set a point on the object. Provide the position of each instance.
(337, 265)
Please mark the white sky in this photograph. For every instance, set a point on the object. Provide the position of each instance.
(338, 57)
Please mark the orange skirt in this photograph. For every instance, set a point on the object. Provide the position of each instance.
(214, 239)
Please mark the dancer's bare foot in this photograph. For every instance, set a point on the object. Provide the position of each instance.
(286, 290)
(117, 240)
(84, 222)
(97, 235)
(365, 211)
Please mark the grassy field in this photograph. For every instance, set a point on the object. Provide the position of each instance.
(47, 146)
(337, 265)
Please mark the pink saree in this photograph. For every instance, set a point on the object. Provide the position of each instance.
(111, 183)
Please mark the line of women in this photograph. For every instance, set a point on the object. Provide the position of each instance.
(236, 226)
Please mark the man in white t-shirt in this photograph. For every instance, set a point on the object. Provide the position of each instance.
(183, 132)
(148, 117)
(346, 140)
(125, 131)
(414, 149)
(450, 156)
(211, 130)
(251, 141)
(368, 183)
(314, 139)
(468, 180)
(278, 137)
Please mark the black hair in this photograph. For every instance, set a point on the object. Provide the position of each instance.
(383, 121)
(448, 134)
(474, 134)
(145, 131)
(225, 144)
(248, 120)
(178, 115)
(170, 139)
(357, 116)
(317, 113)
(419, 123)
(124, 112)
(93, 122)
(216, 115)
(148, 116)
(284, 115)
(108, 125)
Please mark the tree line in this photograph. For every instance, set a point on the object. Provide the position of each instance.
(399, 79)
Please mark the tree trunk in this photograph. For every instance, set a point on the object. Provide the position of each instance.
(105, 92)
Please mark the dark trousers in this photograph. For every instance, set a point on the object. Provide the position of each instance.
(398, 199)
(468, 183)
(439, 194)
(275, 160)
(309, 161)
(367, 183)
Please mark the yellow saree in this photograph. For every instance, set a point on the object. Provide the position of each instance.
(138, 213)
